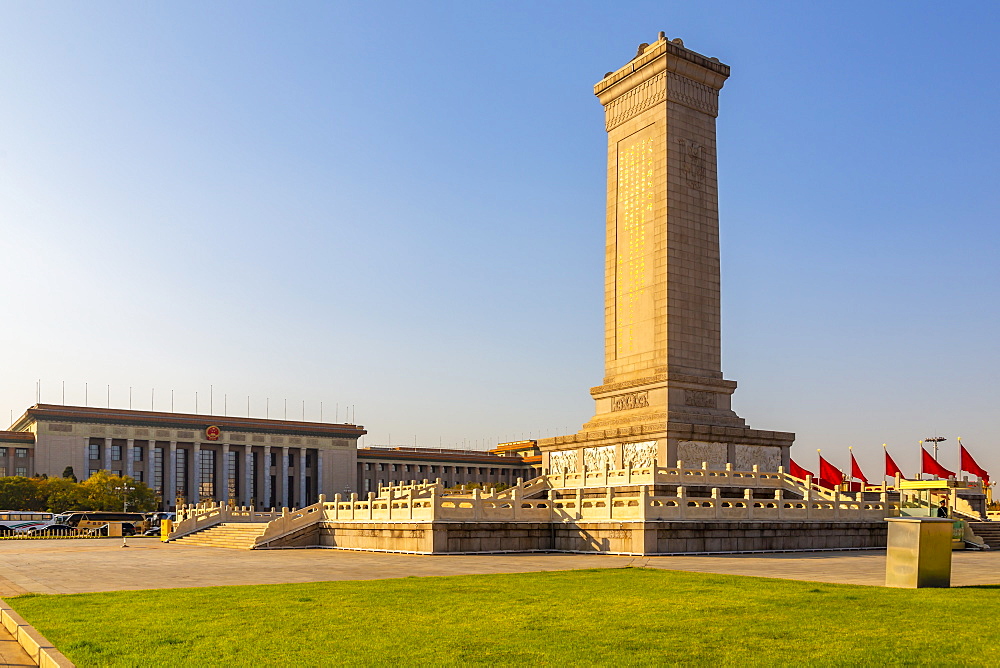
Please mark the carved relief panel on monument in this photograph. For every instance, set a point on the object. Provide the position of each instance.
(638, 455)
(693, 453)
(599, 458)
(625, 402)
(765, 457)
(562, 461)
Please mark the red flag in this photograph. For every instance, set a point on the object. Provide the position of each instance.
(969, 464)
(797, 471)
(856, 470)
(930, 466)
(891, 470)
(829, 475)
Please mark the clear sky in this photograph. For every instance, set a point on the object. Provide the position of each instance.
(399, 206)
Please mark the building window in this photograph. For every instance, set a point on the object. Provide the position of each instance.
(3, 471)
(381, 467)
(470, 470)
(206, 481)
(21, 452)
(406, 468)
(116, 453)
(91, 472)
(368, 466)
(3, 452)
(21, 471)
(434, 469)
(368, 485)
(393, 467)
(309, 458)
(233, 471)
(94, 451)
(253, 475)
(158, 469)
(180, 476)
(274, 459)
(137, 476)
(137, 453)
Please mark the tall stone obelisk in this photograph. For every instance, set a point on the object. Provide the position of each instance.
(663, 394)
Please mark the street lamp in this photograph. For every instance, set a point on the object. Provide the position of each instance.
(124, 489)
(935, 441)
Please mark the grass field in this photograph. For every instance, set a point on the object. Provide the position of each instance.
(595, 617)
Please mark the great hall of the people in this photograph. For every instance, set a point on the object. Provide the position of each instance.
(261, 463)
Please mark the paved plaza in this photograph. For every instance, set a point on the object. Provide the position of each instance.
(77, 566)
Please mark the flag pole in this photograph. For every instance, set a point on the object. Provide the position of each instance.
(884, 453)
(921, 460)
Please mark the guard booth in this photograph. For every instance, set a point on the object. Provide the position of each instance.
(922, 498)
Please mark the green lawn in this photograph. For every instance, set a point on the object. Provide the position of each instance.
(594, 617)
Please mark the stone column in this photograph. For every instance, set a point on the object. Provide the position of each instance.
(248, 474)
(170, 476)
(302, 478)
(129, 458)
(225, 475)
(195, 483)
(107, 454)
(320, 487)
(85, 471)
(283, 480)
(266, 473)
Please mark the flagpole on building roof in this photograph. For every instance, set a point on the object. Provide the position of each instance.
(85, 402)
(64, 393)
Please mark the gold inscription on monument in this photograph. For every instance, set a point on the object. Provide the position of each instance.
(634, 312)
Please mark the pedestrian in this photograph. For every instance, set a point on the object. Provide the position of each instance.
(942, 510)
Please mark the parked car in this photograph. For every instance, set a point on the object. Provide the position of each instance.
(51, 530)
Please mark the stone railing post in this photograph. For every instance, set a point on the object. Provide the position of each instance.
(682, 501)
(579, 503)
(716, 503)
(748, 499)
(836, 504)
(336, 507)
(409, 501)
(609, 502)
(779, 501)
(643, 502)
(371, 505)
(477, 504)
(354, 504)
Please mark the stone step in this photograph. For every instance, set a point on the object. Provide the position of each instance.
(240, 536)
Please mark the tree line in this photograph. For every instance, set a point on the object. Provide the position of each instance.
(101, 491)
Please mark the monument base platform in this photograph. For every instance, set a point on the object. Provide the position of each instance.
(632, 538)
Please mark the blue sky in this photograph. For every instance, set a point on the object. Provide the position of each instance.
(399, 207)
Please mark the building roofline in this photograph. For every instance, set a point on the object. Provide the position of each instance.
(17, 437)
(429, 454)
(49, 412)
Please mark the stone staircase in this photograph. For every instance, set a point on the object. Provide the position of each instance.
(988, 531)
(238, 536)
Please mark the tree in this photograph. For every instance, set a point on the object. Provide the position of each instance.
(102, 491)
(61, 494)
(20, 493)
(68, 473)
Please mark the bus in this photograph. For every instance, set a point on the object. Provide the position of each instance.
(19, 521)
(86, 519)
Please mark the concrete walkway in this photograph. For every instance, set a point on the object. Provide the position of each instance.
(69, 566)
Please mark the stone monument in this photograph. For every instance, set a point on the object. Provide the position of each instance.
(663, 396)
